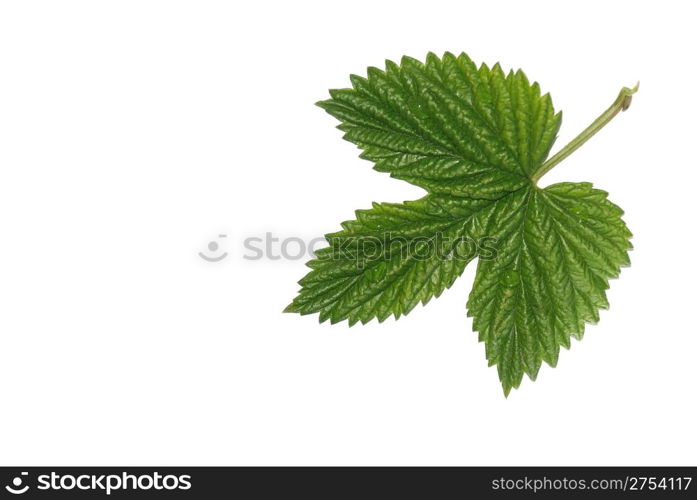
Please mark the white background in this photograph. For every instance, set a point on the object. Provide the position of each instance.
(133, 133)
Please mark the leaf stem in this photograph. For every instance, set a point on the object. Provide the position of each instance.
(624, 99)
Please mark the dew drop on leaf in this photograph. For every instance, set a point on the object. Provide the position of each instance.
(510, 278)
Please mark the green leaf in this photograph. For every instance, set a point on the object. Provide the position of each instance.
(476, 139)
(555, 255)
(447, 126)
(390, 258)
